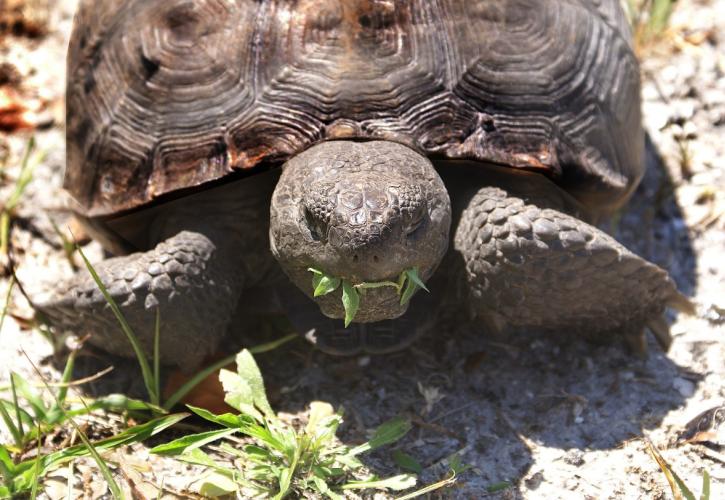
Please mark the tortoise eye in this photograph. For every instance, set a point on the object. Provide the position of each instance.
(316, 226)
(416, 223)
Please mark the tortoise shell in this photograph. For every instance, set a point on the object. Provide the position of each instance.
(164, 96)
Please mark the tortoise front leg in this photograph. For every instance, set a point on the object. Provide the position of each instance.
(540, 268)
(193, 279)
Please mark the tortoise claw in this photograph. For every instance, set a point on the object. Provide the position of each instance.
(661, 330)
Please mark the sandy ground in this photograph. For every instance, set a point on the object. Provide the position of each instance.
(553, 420)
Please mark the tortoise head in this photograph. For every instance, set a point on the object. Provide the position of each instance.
(364, 212)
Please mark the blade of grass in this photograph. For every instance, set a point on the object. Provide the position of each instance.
(397, 483)
(19, 420)
(6, 306)
(431, 487)
(157, 354)
(675, 483)
(68, 246)
(17, 435)
(191, 442)
(36, 473)
(274, 344)
(26, 175)
(149, 381)
(705, 492)
(67, 374)
(389, 432)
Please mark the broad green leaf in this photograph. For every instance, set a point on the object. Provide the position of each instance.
(191, 442)
(325, 285)
(407, 462)
(198, 457)
(247, 369)
(226, 419)
(413, 276)
(120, 402)
(410, 289)
(238, 394)
(396, 483)
(412, 284)
(215, 485)
(389, 432)
(318, 411)
(350, 301)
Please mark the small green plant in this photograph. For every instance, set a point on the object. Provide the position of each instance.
(24, 426)
(322, 283)
(281, 461)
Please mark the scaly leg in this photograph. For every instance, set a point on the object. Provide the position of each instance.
(193, 279)
(540, 268)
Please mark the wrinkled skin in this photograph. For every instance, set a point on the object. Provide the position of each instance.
(361, 211)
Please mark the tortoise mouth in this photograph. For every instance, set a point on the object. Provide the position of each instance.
(376, 300)
(375, 305)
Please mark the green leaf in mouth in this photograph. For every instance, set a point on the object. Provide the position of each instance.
(350, 301)
(408, 283)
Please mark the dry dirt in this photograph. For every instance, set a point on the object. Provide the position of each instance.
(552, 420)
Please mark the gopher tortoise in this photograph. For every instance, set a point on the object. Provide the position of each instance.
(213, 144)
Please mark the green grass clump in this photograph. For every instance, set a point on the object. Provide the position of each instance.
(281, 461)
(30, 426)
(322, 283)
(649, 18)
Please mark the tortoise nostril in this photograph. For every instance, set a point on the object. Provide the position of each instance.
(355, 258)
(375, 258)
